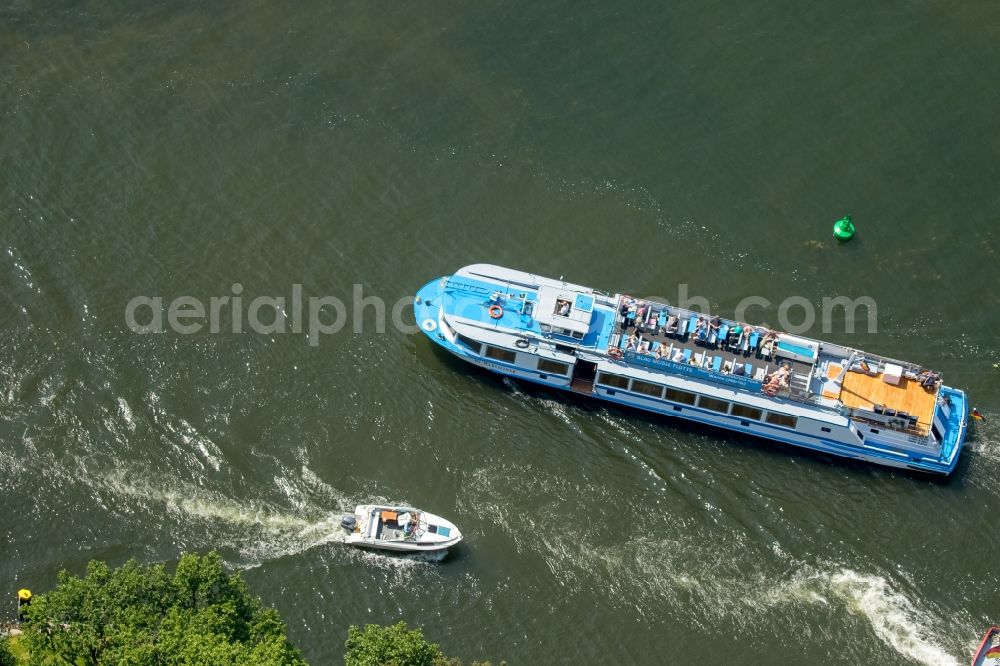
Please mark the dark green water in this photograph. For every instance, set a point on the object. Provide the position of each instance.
(168, 149)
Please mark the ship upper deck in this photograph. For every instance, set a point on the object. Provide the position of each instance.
(500, 302)
(521, 304)
(883, 392)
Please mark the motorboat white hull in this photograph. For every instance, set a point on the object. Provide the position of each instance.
(399, 529)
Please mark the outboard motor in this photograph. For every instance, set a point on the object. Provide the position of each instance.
(348, 521)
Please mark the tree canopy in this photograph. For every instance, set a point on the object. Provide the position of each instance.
(6, 656)
(199, 615)
(395, 645)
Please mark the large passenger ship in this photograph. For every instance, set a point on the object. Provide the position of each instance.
(673, 361)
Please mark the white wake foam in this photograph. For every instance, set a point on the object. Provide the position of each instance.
(893, 617)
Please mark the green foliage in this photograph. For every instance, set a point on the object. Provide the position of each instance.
(139, 615)
(389, 646)
(13, 651)
(6, 656)
(395, 645)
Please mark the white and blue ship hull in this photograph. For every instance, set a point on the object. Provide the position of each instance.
(817, 428)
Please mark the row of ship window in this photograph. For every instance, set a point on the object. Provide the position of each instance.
(508, 356)
(658, 391)
(687, 398)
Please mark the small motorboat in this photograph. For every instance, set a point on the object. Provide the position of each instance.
(402, 529)
(988, 653)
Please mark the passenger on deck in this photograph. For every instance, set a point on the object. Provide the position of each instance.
(777, 379)
(671, 325)
(678, 355)
(644, 347)
(701, 330)
(628, 305)
(563, 308)
(929, 380)
(632, 343)
(660, 351)
(715, 324)
(626, 302)
(767, 345)
(740, 370)
(736, 336)
(727, 367)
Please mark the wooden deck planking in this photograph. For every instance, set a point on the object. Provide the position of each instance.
(830, 389)
(864, 391)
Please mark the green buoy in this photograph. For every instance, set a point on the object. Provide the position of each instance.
(843, 229)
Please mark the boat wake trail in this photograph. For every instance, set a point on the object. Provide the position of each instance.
(256, 531)
(708, 576)
(984, 463)
(553, 407)
(894, 619)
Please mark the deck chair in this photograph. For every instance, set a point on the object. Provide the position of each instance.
(754, 341)
(760, 374)
(717, 364)
(723, 334)
(737, 342)
(682, 326)
(744, 345)
(687, 355)
(749, 369)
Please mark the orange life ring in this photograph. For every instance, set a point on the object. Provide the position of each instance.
(496, 312)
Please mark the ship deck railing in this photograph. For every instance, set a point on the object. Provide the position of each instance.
(911, 430)
(800, 388)
(910, 369)
(460, 285)
(705, 356)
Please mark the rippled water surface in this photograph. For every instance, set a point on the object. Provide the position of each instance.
(163, 150)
